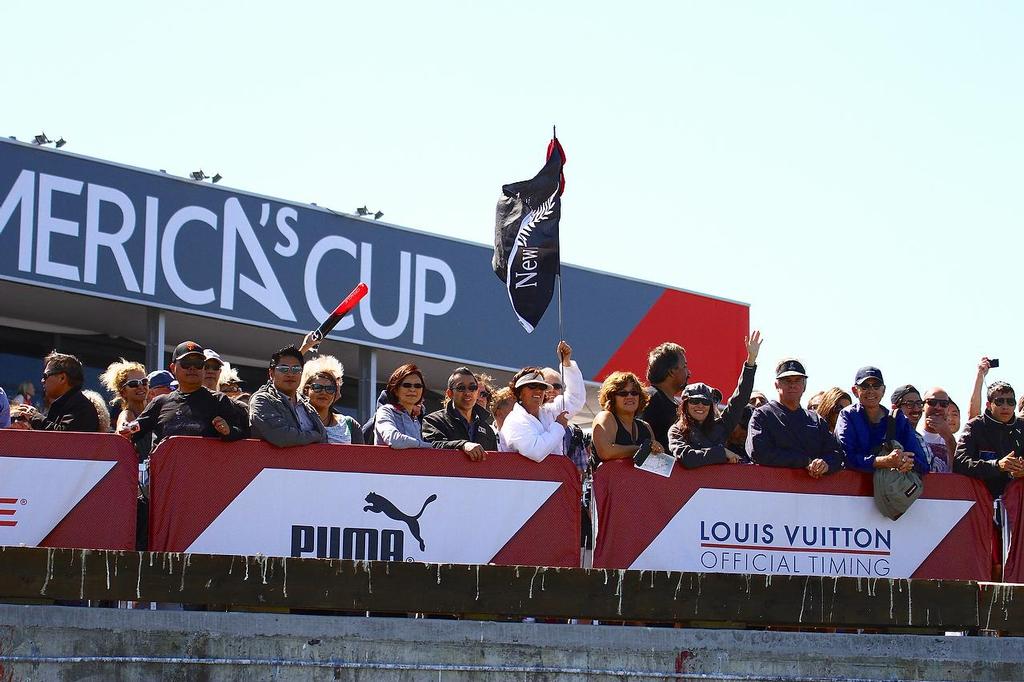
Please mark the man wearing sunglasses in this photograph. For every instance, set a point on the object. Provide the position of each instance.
(191, 409)
(783, 434)
(991, 445)
(277, 413)
(69, 409)
(462, 424)
(936, 430)
(907, 399)
(862, 428)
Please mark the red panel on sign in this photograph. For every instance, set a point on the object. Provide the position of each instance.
(105, 517)
(1013, 501)
(193, 481)
(635, 506)
(709, 329)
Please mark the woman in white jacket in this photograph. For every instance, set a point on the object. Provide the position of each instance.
(536, 429)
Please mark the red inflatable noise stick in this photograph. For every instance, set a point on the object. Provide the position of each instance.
(341, 311)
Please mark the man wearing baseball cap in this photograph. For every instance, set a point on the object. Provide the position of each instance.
(783, 434)
(192, 409)
(862, 429)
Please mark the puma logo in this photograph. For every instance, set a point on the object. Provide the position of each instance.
(380, 504)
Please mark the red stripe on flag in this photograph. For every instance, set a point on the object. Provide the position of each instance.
(8, 500)
(7, 512)
(8, 523)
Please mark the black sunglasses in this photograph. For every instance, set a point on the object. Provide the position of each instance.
(627, 394)
(699, 401)
(557, 387)
(323, 388)
(1003, 402)
(462, 388)
(190, 364)
(937, 402)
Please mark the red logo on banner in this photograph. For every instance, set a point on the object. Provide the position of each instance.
(7, 510)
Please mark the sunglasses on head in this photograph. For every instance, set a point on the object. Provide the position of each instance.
(1003, 402)
(190, 364)
(409, 384)
(323, 388)
(462, 388)
(937, 402)
(627, 394)
(135, 383)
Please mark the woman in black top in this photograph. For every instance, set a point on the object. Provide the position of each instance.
(699, 437)
(618, 432)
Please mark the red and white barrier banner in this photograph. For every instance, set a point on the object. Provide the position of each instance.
(1013, 508)
(67, 490)
(754, 519)
(363, 502)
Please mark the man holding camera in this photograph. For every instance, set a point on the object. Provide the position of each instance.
(862, 430)
(991, 444)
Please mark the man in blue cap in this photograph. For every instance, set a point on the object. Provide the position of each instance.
(862, 429)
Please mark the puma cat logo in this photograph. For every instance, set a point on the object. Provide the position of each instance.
(380, 504)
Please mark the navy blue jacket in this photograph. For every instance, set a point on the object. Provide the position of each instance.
(858, 440)
(779, 437)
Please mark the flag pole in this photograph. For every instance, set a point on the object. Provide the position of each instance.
(561, 331)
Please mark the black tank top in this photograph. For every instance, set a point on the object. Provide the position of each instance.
(624, 437)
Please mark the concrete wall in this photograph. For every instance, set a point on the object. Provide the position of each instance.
(60, 643)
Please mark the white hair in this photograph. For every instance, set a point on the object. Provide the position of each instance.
(228, 375)
(325, 364)
(101, 409)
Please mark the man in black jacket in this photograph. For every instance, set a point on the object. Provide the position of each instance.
(69, 409)
(667, 375)
(462, 424)
(990, 446)
(192, 410)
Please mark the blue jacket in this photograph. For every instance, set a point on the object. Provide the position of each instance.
(858, 439)
(780, 437)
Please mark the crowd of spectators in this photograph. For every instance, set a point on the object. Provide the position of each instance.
(201, 395)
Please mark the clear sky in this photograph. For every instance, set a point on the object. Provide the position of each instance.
(852, 170)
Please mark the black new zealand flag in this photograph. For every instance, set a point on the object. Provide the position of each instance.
(526, 238)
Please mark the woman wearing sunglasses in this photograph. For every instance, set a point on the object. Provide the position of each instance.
(536, 427)
(128, 383)
(618, 433)
(321, 386)
(699, 436)
(395, 424)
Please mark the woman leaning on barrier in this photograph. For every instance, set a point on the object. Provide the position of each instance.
(397, 421)
(618, 432)
(321, 386)
(699, 437)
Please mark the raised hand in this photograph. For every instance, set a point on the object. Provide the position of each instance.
(753, 344)
(564, 353)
